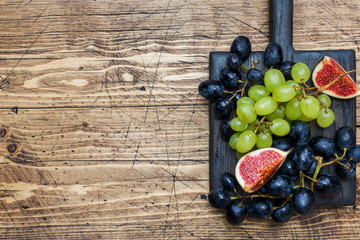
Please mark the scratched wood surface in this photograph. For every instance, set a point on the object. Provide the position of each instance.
(103, 134)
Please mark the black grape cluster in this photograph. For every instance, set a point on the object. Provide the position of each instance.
(293, 187)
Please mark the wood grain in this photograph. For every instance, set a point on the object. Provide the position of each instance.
(110, 139)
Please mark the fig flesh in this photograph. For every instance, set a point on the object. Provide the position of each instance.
(255, 168)
(328, 70)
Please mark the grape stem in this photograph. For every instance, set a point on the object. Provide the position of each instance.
(264, 196)
(258, 195)
(241, 90)
(317, 170)
(304, 82)
(302, 182)
(284, 203)
(254, 64)
(259, 123)
(337, 160)
(310, 178)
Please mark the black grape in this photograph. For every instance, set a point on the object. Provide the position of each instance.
(230, 78)
(282, 214)
(241, 46)
(222, 108)
(211, 90)
(285, 68)
(273, 56)
(345, 137)
(328, 185)
(219, 198)
(255, 76)
(236, 212)
(302, 200)
(300, 132)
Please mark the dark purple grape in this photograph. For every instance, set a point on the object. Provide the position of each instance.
(273, 56)
(302, 200)
(225, 129)
(300, 132)
(228, 181)
(282, 214)
(328, 185)
(345, 173)
(219, 198)
(255, 76)
(211, 90)
(285, 68)
(354, 154)
(345, 137)
(263, 189)
(260, 208)
(282, 143)
(230, 78)
(288, 167)
(280, 186)
(234, 61)
(323, 146)
(236, 212)
(241, 46)
(310, 172)
(222, 108)
(303, 158)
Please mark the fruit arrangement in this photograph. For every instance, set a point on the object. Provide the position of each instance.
(265, 116)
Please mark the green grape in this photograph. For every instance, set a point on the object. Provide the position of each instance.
(280, 127)
(258, 91)
(293, 83)
(246, 113)
(300, 71)
(266, 129)
(264, 140)
(245, 100)
(233, 139)
(252, 126)
(325, 99)
(273, 78)
(237, 125)
(265, 106)
(325, 118)
(304, 118)
(246, 141)
(284, 93)
(310, 107)
(293, 110)
(278, 113)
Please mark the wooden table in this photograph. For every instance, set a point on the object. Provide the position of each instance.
(103, 133)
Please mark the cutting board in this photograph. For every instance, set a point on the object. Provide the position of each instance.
(223, 158)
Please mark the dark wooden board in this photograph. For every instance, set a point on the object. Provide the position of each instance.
(223, 158)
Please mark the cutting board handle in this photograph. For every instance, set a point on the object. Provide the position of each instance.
(281, 23)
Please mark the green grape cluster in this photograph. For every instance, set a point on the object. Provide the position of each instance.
(269, 109)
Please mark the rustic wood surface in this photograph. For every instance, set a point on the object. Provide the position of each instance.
(103, 133)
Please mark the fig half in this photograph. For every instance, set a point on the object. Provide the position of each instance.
(255, 168)
(326, 71)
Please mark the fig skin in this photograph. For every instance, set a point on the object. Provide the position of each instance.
(253, 164)
(344, 88)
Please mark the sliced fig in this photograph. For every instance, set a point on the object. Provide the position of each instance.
(326, 72)
(255, 168)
